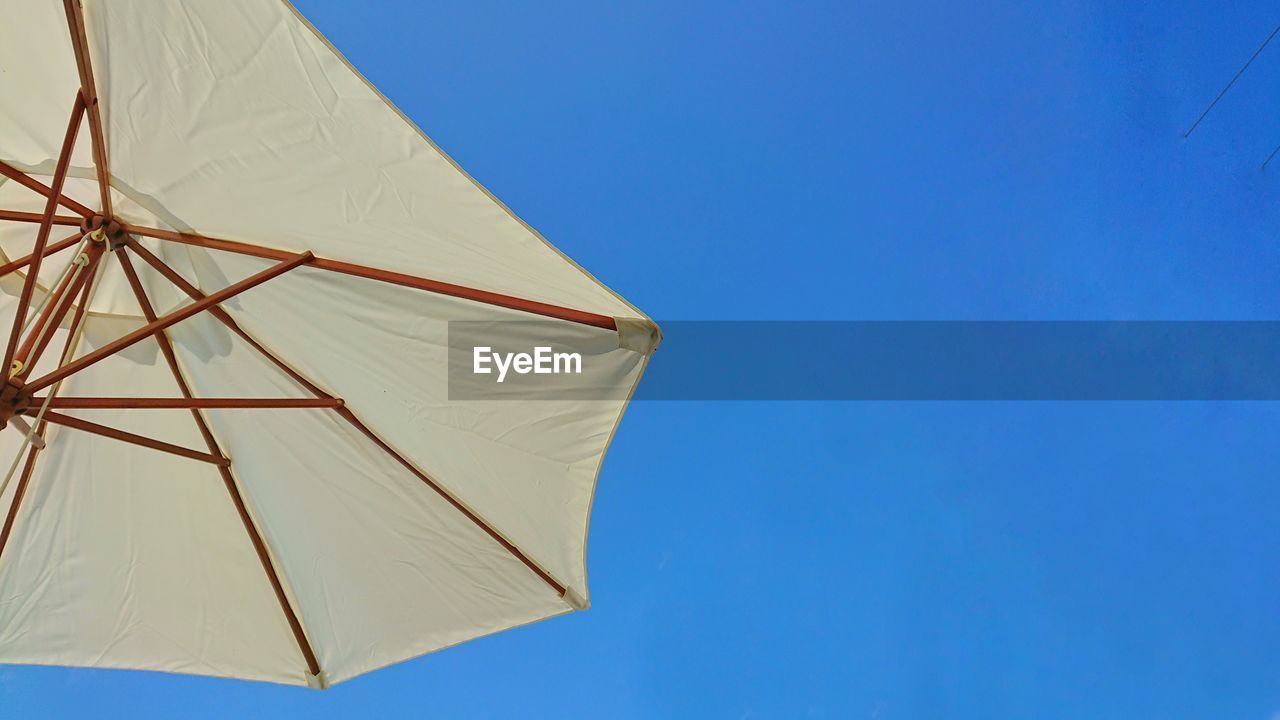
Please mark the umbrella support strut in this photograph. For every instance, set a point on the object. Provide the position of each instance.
(50, 249)
(135, 439)
(31, 183)
(46, 225)
(41, 425)
(172, 318)
(76, 283)
(224, 469)
(89, 92)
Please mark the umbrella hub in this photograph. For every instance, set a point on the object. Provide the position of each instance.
(110, 230)
(13, 401)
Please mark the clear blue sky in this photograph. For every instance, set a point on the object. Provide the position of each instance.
(836, 160)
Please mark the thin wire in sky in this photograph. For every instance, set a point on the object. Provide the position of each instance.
(1234, 78)
(1268, 160)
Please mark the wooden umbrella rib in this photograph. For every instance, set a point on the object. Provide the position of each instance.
(29, 182)
(46, 225)
(55, 311)
(50, 249)
(351, 418)
(161, 323)
(84, 66)
(221, 315)
(21, 490)
(510, 547)
(228, 480)
(124, 436)
(30, 217)
(388, 276)
(156, 403)
(57, 295)
(85, 295)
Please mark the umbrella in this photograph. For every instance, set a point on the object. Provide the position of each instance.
(231, 268)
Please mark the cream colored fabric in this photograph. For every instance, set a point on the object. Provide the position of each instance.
(235, 119)
(38, 83)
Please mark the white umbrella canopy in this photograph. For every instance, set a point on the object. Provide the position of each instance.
(230, 265)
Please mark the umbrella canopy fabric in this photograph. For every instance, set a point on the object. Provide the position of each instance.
(230, 266)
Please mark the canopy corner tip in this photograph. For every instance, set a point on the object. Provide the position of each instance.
(317, 681)
(575, 600)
